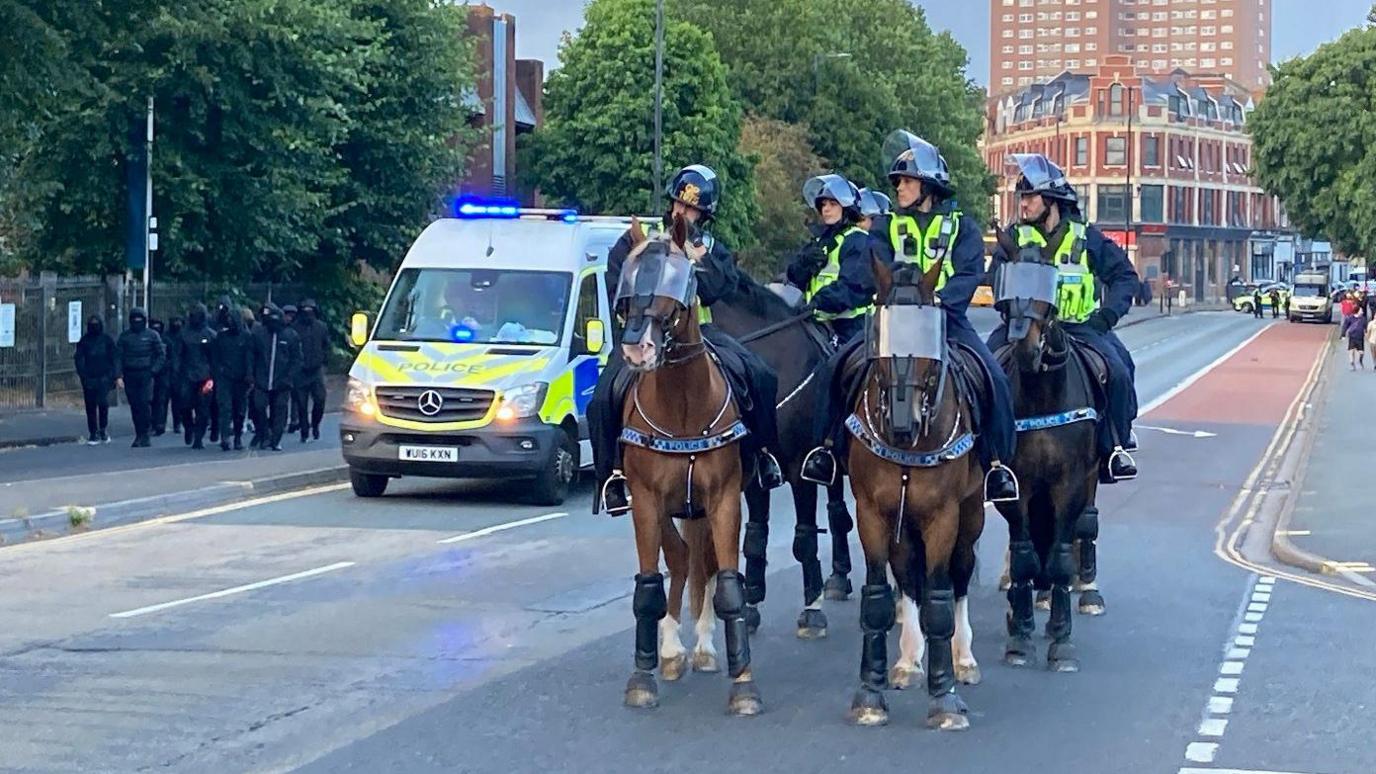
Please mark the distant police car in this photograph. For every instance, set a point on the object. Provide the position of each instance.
(486, 352)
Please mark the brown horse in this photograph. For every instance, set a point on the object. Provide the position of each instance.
(919, 502)
(682, 462)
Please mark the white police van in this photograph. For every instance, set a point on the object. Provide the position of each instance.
(486, 352)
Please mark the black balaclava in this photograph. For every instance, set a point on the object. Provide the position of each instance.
(174, 324)
(309, 310)
(156, 325)
(138, 320)
(222, 311)
(196, 320)
(95, 326)
(272, 317)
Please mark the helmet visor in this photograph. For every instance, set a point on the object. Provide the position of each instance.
(906, 151)
(873, 203)
(830, 187)
(1034, 168)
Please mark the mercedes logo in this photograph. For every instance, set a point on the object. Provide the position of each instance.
(430, 402)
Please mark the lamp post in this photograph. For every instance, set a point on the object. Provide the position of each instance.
(657, 185)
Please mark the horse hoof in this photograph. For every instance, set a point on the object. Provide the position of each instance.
(812, 625)
(1018, 651)
(705, 661)
(868, 708)
(1061, 657)
(968, 675)
(641, 691)
(752, 618)
(1043, 600)
(673, 667)
(1091, 603)
(744, 700)
(904, 677)
(837, 588)
(948, 713)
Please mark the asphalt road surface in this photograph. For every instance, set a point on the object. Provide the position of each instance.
(444, 629)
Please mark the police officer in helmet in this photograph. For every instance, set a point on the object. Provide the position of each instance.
(872, 205)
(928, 226)
(694, 194)
(1050, 219)
(835, 272)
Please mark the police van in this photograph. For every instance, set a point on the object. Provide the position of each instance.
(484, 356)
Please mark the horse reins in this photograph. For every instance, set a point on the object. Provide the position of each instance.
(773, 328)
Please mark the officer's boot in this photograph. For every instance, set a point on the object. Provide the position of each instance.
(819, 466)
(1131, 445)
(770, 474)
(1000, 485)
(1121, 465)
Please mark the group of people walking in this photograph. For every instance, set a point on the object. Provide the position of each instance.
(212, 376)
(1358, 327)
(834, 269)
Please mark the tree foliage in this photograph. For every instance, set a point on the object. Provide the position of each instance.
(853, 73)
(784, 160)
(1315, 141)
(596, 149)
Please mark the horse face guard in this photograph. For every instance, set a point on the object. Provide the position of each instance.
(907, 339)
(1025, 291)
(657, 288)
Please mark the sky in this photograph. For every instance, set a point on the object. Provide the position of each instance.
(1297, 26)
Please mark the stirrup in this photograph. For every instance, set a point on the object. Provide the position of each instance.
(1120, 455)
(1017, 490)
(768, 472)
(819, 467)
(619, 508)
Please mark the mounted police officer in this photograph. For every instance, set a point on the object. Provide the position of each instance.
(872, 205)
(1087, 260)
(694, 194)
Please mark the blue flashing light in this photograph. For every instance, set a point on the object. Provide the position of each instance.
(477, 209)
(570, 216)
(461, 334)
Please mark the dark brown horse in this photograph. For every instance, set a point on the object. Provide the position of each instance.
(684, 471)
(919, 502)
(1057, 462)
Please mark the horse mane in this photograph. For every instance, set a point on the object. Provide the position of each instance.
(759, 300)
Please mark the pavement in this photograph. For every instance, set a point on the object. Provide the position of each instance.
(444, 628)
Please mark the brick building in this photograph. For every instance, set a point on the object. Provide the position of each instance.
(1032, 41)
(1161, 165)
(507, 103)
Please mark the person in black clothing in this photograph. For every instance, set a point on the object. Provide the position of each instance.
(315, 350)
(197, 338)
(138, 355)
(1275, 303)
(1256, 303)
(231, 362)
(95, 366)
(176, 393)
(219, 324)
(289, 320)
(276, 360)
(161, 386)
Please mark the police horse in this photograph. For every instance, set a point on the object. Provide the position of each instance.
(919, 495)
(680, 433)
(1055, 397)
(797, 348)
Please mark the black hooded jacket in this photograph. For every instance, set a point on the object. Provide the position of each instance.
(315, 341)
(232, 350)
(276, 352)
(139, 348)
(95, 357)
(196, 339)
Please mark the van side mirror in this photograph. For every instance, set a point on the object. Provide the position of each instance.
(358, 329)
(596, 336)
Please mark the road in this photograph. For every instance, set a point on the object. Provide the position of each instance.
(443, 629)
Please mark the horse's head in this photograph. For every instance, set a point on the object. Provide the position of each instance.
(657, 291)
(906, 344)
(1025, 294)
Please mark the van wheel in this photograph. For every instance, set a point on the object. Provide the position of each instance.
(552, 486)
(367, 484)
(1245, 309)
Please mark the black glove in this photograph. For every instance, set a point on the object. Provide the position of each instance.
(1101, 320)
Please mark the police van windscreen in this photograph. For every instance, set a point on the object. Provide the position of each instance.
(1309, 291)
(476, 306)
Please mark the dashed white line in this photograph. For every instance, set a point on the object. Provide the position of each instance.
(235, 590)
(1231, 667)
(1213, 726)
(495, 528)
(1201, 752)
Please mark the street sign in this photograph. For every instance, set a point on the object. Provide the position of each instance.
(6, 325)
(73, 322)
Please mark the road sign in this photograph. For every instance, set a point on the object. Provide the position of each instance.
(6, 325)
(73, 322)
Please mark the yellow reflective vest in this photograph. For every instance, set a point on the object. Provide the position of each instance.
(1076, 295)
(914, 245)
(832, 272)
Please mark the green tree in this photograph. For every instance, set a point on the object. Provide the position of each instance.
(1314, 145)
(852, 73)
(784, 160)
(596, 149)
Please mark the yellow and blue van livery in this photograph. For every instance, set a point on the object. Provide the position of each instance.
(486, 352)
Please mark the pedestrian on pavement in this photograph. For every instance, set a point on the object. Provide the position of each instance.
(161, 386)
(253, 423)
(176, 392)
(138, 355)
(95, 367)
(1348, 305)
(1371, 339)
(289, 320)
(231, 362)
(1275, 303)
(276, 361)
(1354, 327)
(1256, 303)
(219, 323)
(315, 351)
(197, 338)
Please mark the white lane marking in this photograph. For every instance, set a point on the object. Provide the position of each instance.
(1231, 667)
(1173, 431)
(1185, 383)
(1257, 607)
(1239, 653)
(1220, 705)
(236, 590)
(1201, 752)
(1247, 628)
(1266, 580)
(1225, 685)
(1253, 617)
(1244, 641)
(495, 528)
(1213, 726)
(1188, 770)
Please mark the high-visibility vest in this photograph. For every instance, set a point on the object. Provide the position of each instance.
(914, 245)
(704, 311)
(1076, 295)
(832, 272)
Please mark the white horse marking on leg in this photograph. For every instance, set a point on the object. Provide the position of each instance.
(967, 669)
(912, 646)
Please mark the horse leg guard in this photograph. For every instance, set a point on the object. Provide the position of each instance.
(805, 551)
(1087, 531)
(1061, 656)
(650, 606)
(1023, 567)
(938, 616)
(877, 617)
(756, 548)
(840, 522)
(729, 604)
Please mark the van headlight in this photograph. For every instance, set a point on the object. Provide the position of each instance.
(523, 401)
(358, 397)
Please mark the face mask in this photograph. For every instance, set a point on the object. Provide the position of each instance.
(95, 327)
(137, 324)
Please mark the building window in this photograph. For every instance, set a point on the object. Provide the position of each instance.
(1006, 81)
(1116, 152)
(1152, 203)
(1113, 204)
(1151, 151)
(1081, 151)
(1115, 100)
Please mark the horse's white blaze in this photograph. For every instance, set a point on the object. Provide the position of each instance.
(912, 647)
(965, 636)
(707, 620)
(670, 645)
